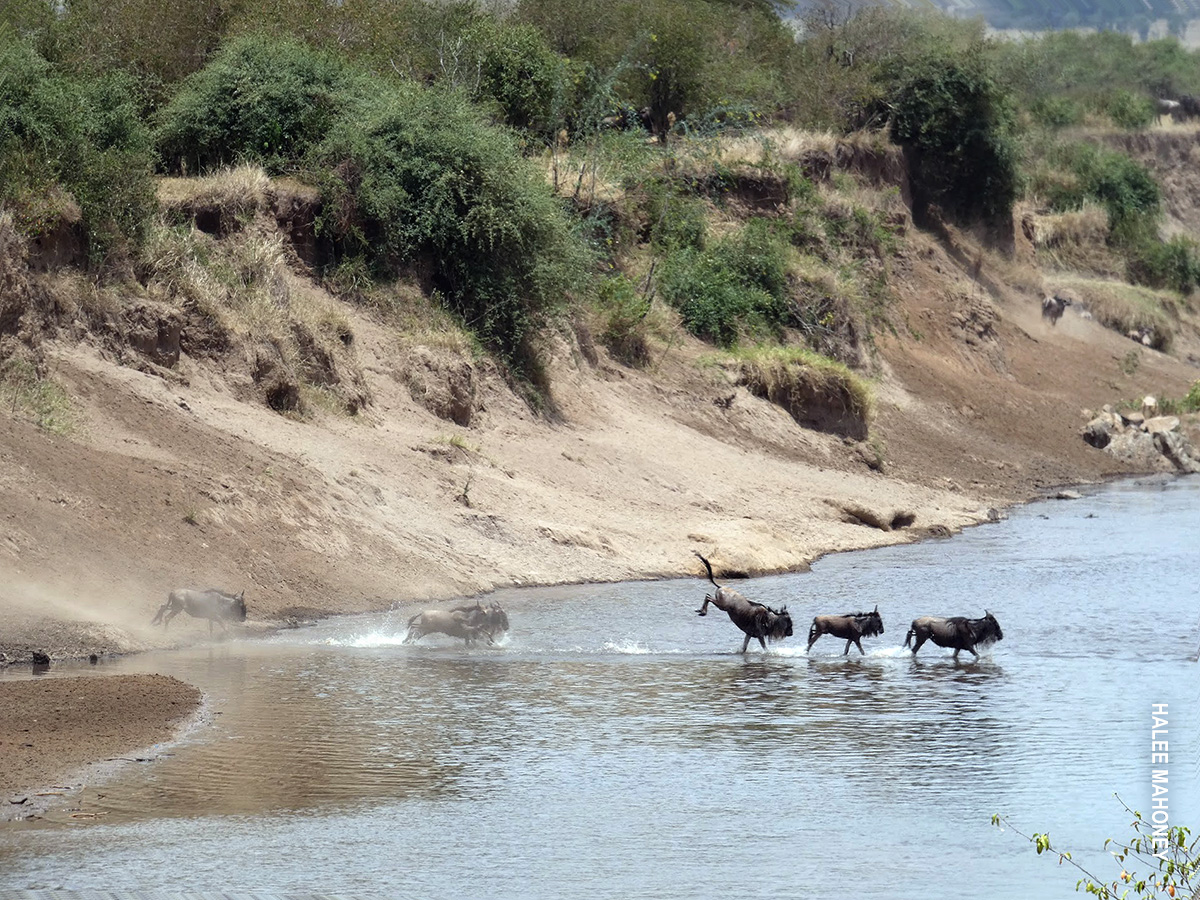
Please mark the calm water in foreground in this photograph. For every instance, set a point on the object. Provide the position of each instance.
(615, 745)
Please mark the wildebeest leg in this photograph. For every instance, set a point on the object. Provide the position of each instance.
(917, 646)
(703, 610)
(857, 644)
(956, 649)
(746, 643)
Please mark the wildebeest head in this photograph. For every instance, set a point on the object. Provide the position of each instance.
(497, 618)
(779, 624)
(871, 623)
(237, 607)
(988, 629)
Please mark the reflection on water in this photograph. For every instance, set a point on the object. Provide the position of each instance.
(615, 745)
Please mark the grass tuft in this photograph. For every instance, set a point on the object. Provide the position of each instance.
(818, 392)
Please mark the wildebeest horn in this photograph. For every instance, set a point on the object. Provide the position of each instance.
(876, 607)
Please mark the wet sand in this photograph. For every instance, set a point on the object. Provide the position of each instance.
(56, 732)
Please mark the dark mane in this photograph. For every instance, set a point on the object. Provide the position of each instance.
(985, 631)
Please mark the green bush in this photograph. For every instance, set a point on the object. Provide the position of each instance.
(1123, 186)
(411, 177)
(417, 177)
(624, 309)
(676, 220)
(1056, 112)
(261, 100)
(521, 74)
(1130, 111)
(81, 137)
(738, 287)
(1173, 264)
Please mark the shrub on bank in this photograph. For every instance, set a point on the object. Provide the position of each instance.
(737, 287)
(412, 178)
(64, 142)
(956, 125)
(260, 100)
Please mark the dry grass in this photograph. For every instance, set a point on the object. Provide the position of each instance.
(419, 320)
(1075, 240)
(245, 288)
(237, 192)
(26, 394)
(791, 144)
(1086, 227)
(817, 391)
(1125, 307)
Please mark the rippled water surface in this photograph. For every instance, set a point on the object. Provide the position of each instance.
(616, 746)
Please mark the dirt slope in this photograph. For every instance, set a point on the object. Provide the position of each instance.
(178, 478)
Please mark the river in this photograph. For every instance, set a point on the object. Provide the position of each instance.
(615, 744)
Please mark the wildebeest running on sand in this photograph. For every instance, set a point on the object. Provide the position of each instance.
(212, 604)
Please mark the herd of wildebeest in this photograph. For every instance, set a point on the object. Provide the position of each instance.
(756, 620)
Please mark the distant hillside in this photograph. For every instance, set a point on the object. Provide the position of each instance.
(1143, 19)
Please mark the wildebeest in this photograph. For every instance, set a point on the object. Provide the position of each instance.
(210, 603)
(1052, 307)
(756, 619)
(958, 632)
(1188, 108)
(851, 627)
(1165, 107)
(490, 619)
(466, 622)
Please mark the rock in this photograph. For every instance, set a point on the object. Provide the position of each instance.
(1099, 432)
(1133, 418)
(1149, 406)
(1067, 495)
(1138, 449)
(1178, 450)
(1161, 424)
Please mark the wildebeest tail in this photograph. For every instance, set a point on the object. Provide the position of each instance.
(908, 637)
(709, 567)
(812, 631)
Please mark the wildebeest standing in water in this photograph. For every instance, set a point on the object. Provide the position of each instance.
(958, 632)
(466, 622)
(756, 619)
(851, 627)
(212, 604)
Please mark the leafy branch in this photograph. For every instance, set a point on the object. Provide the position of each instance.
(1169, 854)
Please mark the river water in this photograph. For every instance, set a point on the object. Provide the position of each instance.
(615, 745)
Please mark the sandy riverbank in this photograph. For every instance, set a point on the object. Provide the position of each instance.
(58, 733)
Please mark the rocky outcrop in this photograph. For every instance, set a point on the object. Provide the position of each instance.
(1147, 441)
